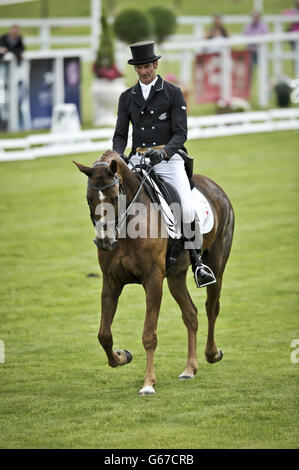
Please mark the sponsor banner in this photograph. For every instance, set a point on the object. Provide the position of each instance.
(4, 97)
(241, 63)
(72, 80)
(208, 77)
(41, 92)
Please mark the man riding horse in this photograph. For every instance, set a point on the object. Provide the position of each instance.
(157, 111)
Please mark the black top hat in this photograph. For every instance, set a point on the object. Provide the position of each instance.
(143, 53)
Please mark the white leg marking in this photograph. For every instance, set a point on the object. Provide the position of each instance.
(99, 229)
(147, 390)
(186, 376)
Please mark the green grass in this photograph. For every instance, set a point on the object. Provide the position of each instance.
(56, 388)
(183, 7)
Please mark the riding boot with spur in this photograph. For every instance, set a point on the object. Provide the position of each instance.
(203, 275)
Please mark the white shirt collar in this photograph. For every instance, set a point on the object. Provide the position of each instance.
(146, 88)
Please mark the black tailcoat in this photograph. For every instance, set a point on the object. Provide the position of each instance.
(159, 120)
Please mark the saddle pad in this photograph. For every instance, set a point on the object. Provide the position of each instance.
(203, 210)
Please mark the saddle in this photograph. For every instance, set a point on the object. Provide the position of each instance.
(166, 197)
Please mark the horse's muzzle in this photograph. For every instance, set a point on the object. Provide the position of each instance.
(105, 244)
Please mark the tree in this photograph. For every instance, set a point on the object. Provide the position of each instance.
(132, 25)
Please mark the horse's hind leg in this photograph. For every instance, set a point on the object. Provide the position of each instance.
(178, 288)
(216, 259)
(212, 308)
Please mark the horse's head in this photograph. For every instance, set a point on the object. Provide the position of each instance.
(103, 190)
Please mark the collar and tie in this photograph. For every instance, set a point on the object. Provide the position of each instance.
(146, 89)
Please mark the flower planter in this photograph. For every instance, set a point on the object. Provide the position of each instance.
(105, 94)
(283, 93)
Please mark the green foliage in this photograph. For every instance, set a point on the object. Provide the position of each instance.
(105, 54)
(104, 65)
(157, 23)
(74, 8)
(132, 25)
(164, 22)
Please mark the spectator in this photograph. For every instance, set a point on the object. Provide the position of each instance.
(12, 42)
(255, 28)
(293, 27)
(217, 29)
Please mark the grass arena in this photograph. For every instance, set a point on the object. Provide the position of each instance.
(57, 390)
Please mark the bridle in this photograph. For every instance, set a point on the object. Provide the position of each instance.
(119, 224)
(106, 186)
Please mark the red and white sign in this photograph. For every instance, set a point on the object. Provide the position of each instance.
(208, 76)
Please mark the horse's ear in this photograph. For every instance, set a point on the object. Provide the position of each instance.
(113, 166)
(85, 169)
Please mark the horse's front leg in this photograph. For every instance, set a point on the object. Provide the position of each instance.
(153, 289)
(110, 294)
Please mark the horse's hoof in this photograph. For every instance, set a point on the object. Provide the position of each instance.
(126, 355)
(216, 358)
(147, 390)
(186, 376)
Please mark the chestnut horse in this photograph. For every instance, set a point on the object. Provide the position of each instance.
(142, 260)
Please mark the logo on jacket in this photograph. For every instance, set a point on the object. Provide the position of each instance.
(163, 116)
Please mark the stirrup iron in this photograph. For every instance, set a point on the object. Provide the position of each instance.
(206, 268)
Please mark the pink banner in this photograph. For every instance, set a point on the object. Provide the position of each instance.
(207, 76)
(241, 74)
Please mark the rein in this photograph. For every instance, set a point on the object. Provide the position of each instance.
(125, 215)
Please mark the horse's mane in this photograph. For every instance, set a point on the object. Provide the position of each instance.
(107, 156)
(107, 153)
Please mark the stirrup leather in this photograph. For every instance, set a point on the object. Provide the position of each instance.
(198, 268)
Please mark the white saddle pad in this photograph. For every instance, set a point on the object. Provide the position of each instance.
(203, 210)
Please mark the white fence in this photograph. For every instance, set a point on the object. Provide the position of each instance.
(45, 37)
(98, 140)
(276, 23)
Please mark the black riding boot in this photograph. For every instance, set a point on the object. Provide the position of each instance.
(203, 275)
